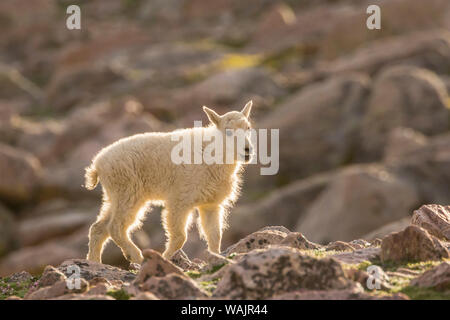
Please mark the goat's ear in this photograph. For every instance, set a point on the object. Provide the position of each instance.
(247, 109)
(212, 115)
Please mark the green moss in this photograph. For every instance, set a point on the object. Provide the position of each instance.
(19, 289)
(215, 268)
(417, 266)
(398, 283)
(209, 286)
(364, 265)
(401, 285)
(193, 274)
(119, 294)
(417, 293)
(320, 253)
(231, 256)
(422, 266)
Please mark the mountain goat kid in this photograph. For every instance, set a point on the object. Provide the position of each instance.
(140, 169)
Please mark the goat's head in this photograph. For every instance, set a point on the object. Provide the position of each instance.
(235, 128)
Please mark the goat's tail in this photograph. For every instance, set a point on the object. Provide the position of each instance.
(91, 177)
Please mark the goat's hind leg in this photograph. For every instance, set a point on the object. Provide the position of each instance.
(98, 234)
(124, 216)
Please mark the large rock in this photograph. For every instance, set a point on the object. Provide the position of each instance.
(50, 141)
(8, 231)
(99, 288)
(298, 241)
(323, 120)
(173, 286)
(271, 236)
(428, 167)
(21, 172)
(359, 200)
(149, 73)
(225, 89)
(430, 50)
(93, 71)
(401, 141)
(322, 30)
(10, 111)
(165, 64)
(34, 259)
(339, 246)
(290, 25)
(39, 229)
(256, 240)
(154, 265)
(403, 96)
(90, 270)
(22, 276)
(181, 260)
(358, 256)
(437, 278)
(412, 244)
(39, 136)
(86, 133)
(212, 261)
(435, 219)
(264, 273)
(345, 246)
(388, 228)
(283, 206)
(50, 276)
(58, 289)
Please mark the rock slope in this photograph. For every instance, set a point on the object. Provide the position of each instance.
(272, 263)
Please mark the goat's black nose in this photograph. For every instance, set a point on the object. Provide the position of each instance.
(247, 150)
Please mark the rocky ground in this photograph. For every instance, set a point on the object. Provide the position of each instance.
(272, 263)
(364, 123)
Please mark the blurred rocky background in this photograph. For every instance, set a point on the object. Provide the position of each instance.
(363, 114)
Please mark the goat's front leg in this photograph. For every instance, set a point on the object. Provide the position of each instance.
(211, 223)
(175, 222)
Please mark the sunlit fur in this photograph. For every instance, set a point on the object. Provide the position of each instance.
(138, 169)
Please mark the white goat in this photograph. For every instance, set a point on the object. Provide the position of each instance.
(139, 169)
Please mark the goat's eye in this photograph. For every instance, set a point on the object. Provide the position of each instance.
(229, 133)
